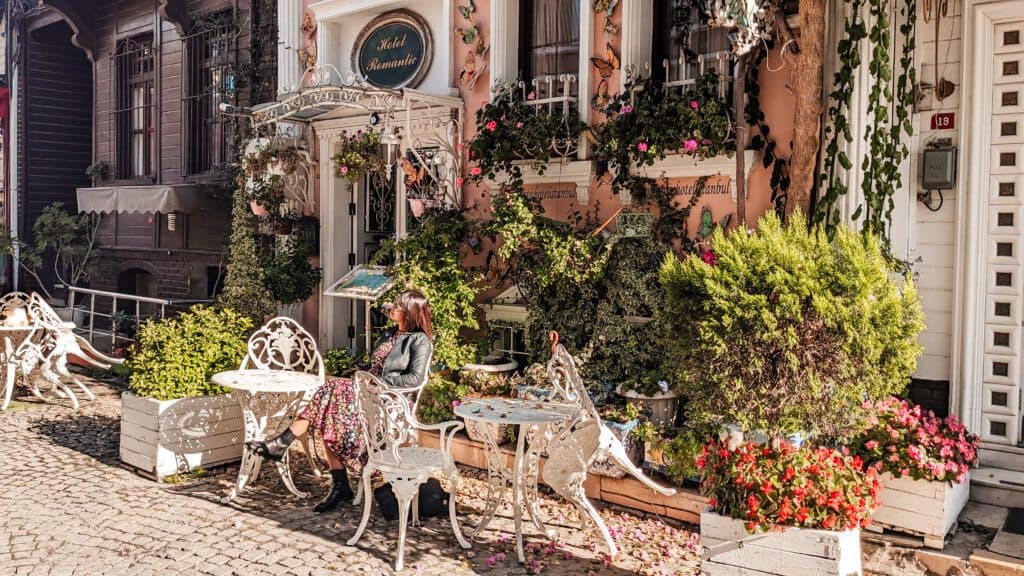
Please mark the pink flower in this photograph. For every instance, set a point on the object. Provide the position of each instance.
(455, 403)
(694, 104)
(626, 109)
(531, 96)
(642, 146)
(690, 145)
(491, 126)
(519, 124)
(343, 170)
(458, 182)
(871, 444)
(475, 171)
(491, 561)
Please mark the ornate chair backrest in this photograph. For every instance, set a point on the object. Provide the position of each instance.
(12, 301)
(281, 344)
(41, 312)
(567, 384)
(387, 421)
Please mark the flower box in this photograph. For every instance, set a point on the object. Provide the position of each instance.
(731, 550)
(925, 508)
(663, 406)
(165, 437)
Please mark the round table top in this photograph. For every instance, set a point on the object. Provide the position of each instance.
(509, 411)
(263, 381)
(24, 328)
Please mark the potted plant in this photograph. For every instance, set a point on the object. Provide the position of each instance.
(784, 331)
(358, 155)
(97, 172)
(439, 398)
(174, 419)
(288, 275)
(489, 363)
(672, 453)
(652, 391)
(63, 240)
(793, 511)
(925, 463)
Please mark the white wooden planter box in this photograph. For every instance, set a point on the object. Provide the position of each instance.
(162, 438)
(921, 507)
(794, 552)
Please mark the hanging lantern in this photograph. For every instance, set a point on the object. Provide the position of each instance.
(749, 20)
(390, 146)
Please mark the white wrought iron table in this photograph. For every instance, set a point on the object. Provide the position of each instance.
(270, 399)
(533, 418)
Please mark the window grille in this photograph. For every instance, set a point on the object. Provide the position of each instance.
(685, 48)
(132, 116)
(509, 340)
(208, 62)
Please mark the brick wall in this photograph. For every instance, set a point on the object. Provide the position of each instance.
(181, 274)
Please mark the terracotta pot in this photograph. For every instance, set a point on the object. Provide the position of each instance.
(258, 209)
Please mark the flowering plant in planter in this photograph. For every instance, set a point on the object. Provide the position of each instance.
(510, 129)
(771, 488)
(358, 154)
(646, 122)
(905, 440)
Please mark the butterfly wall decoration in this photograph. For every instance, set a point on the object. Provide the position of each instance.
(476, 62)
(605, 67)
(608, 7)
(413, 176)
(601, 97)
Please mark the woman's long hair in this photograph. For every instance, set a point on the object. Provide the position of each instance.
(416, 308)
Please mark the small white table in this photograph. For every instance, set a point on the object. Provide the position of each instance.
(270, 400)
(533, 419)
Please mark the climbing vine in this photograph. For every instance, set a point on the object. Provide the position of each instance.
(888, 111)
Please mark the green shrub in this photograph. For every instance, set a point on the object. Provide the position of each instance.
(429, 260)
(339, 362)
(243, 286)
(287, 274)
(438, 398)
(175, 357)
(786, 331)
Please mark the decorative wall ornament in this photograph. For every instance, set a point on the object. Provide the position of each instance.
(476, 62)
(751, 20)
(394, 50)
(605, 67)
(608, 7)
(307, 55)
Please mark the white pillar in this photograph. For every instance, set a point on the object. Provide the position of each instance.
(328, 51)
(289, 42)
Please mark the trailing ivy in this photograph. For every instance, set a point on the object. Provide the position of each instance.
(885, 130)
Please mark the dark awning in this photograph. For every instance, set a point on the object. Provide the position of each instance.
(185, 198)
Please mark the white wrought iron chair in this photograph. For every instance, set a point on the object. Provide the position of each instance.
(389, 430)
(282, 344)
(574, 447)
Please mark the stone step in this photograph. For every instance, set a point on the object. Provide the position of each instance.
(1005, 457)
(998, 486)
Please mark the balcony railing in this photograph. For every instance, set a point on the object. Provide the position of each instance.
(682, 74)
(554, 96)
(103, 318)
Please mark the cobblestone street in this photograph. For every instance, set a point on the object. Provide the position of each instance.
(68, 507)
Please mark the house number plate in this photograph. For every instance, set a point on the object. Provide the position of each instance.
(944, 121)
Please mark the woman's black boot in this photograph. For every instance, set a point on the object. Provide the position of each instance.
(274, 448)
(340, 492)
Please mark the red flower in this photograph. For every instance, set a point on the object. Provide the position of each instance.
(709, 257)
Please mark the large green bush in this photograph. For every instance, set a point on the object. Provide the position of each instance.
(788, 331)
(175, 357)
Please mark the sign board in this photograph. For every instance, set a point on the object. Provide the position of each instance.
(714, 186)
(944, 121)
(394, 50)
(362, 283)
(548, 190)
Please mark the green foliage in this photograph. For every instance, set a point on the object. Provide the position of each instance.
(288, 275)
(175, 357)
(438, 398)
(244, 290)
(60, 239)
(510, 130)
(339, 362)
(428, 259)
(254, 177)
(358, 154)
(884, 133)
(679, 450)
(789, 331)
(97, 171)
(646, 122)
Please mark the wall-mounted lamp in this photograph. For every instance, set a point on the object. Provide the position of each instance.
(172, 221)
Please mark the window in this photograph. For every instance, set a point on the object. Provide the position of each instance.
(549, 44)
(683, 47)
(134, 105)
(208, 62)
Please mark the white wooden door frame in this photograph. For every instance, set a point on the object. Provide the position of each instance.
(973, 225)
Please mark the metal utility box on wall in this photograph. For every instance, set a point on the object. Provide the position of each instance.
(938, 169)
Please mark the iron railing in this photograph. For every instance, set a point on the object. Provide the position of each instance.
(209, 65)
(103, 317)
(132, 78)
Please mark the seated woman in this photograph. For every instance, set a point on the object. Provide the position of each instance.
(402, 360)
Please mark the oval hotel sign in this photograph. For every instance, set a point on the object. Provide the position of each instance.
(394, 50)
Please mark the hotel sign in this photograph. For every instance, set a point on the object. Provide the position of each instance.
(394, 50)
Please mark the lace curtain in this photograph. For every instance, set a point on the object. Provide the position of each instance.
(555, 37)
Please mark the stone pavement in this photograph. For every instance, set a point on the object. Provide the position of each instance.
(68, 507)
